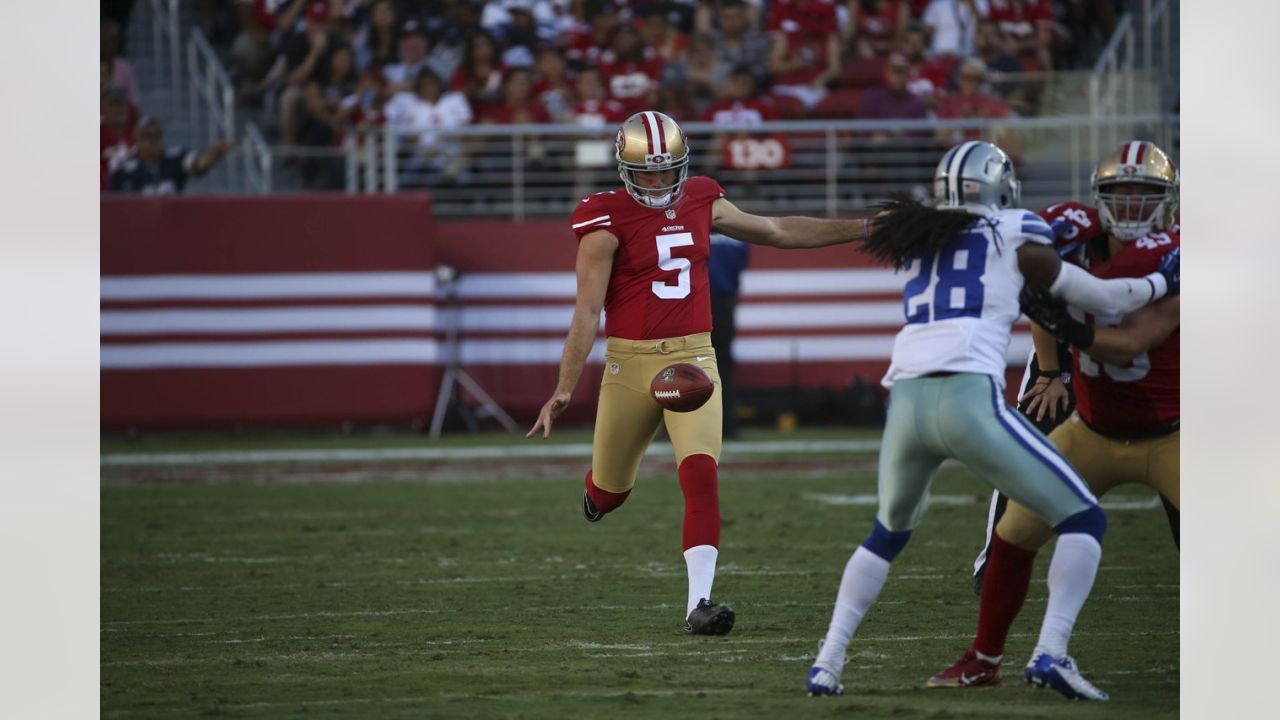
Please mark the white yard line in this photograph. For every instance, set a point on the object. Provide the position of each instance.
(571, 450)
(1118, 502)
(674, 648)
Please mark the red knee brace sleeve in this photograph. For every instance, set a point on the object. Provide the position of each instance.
(698, 479)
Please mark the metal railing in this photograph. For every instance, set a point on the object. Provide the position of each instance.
(828, 167)
(212, 100)
(166, 45)
(258, 161)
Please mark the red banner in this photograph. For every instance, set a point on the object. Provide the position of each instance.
(326, 309)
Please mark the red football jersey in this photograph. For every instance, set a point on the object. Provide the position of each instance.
(1145, 395)
(658, 287)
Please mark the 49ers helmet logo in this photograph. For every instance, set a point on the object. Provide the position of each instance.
(621, 143)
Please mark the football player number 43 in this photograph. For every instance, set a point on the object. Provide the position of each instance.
(680, 289)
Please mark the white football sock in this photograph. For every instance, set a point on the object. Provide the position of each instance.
(1071, 575)
(864, 576)
(701, 561)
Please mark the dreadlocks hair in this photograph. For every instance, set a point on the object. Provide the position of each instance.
(905, 228)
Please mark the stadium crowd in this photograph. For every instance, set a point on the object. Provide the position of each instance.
(317, 69)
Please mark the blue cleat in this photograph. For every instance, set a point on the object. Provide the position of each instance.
(1062, 675)
(823, 681)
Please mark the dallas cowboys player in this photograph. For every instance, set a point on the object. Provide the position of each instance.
(968, 262)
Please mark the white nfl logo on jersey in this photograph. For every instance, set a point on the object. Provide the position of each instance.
(671, 214)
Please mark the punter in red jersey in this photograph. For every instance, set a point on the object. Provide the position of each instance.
(1125, 427)
(642, 258)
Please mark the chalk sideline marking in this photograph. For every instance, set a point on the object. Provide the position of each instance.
(570, 450)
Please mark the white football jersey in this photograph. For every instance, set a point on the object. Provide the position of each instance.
(960, 304)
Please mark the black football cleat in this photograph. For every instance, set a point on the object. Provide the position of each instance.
(589, 509)
(708, 619)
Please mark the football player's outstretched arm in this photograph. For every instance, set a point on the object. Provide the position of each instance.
(1042, 268)
(595, 264)
(1140, 331)
(785, 232)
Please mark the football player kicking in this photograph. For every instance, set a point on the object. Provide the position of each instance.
(969, 260)
(1125, 427)
(642, 257)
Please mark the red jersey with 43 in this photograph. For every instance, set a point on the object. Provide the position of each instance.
(658, 288)
(1143, 396)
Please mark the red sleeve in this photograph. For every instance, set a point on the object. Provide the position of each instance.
(593, 213)
(1073, 223)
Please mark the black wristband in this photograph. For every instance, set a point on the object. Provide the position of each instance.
(1078, 334)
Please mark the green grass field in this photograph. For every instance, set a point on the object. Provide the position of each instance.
(488, 596)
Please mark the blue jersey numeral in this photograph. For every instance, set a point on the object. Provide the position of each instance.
(960, 265)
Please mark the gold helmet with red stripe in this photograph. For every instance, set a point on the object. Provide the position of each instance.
(1135, 166)
(652, 142)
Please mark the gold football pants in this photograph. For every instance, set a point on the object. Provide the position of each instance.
(627, 416)
(1104, 463)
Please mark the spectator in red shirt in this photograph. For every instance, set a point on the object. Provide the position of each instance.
(115, 131)
(630, 73)
(740, 107)
(657, 34)
(970, 101)
(587, 44)
(480, 76)
(929, 75)
(805, 54)
(552, 84)
(876, 27)
(1031, 27)
(518, 106)
(739, 103)
(594, 107)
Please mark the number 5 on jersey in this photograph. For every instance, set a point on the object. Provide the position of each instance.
(666, 291)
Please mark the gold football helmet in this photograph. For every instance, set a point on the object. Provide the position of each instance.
(1130, 216)
(652, 142)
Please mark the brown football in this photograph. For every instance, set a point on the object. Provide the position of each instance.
(682, 387)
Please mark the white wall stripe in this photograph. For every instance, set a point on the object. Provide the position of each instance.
(267, 286)
(269, 354)
(501, 351)
(495, 318)
(542, 285)
(268, 320)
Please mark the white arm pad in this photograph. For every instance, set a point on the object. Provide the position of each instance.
(1119, 296)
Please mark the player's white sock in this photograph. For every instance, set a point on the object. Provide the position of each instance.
(864, 576)
(1071, 575)
(701, 561)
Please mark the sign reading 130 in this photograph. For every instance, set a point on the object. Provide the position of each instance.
(667, 291)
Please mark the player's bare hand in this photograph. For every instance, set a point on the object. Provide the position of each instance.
(1046, 395)
(550, 411)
